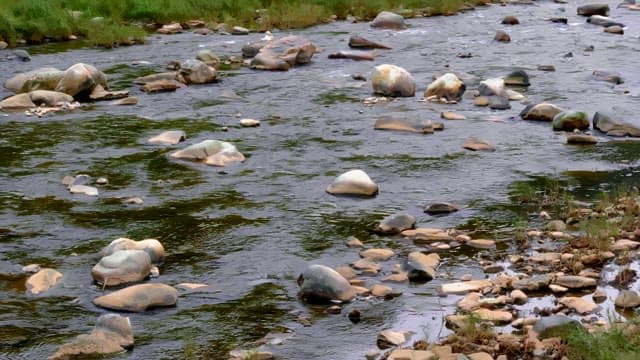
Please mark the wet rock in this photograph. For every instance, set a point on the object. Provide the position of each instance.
(22, 55)
(499, 103)
(593, 9)
(169, 29)
(165, 76)
(196, 72)
(251, 50)
(441, 208)
(83, 189)
(100, 94)
(581, 139)
(388, 20)
(426, 235)
(80, 80)
(409, 354)
(211, 152)
(492, 87)
(321, 283)
(281, 54)
(447, 86)
(627, 299)
(17, 102)
(580, 305)
(482, 243)
(495, 316)
(481, 101)
(570, 120)
(470, 302)
(353, 182)
(421, 267)
(540, 112)
(603, 21)
(599, 296)
(111, 334)
(169, 137)
(392, 80)
(464, 286)
(239, 30)
(377, 254)
(356, 55)
(352, 241)
(625, 245)
(390, 338)
(152, 247)
(608, 76)
(40, 79)
(161, 86)
(138, 298)
(609, 125)
(208, 57)
(510, 20)
(378, 290)
(450, 115)
(480, 356)
(556, 225)
(534, 283)
(42, 281)
(249, 122)
(502, 36)
(614, 29)
(122, 267)
(557, 289)
(362, 43)
(519, 297)
(476, 144)
(554, 326)
(546, 68)
(367, 267)
(134, 201)
(402, 124)
(395, 224)
(517, 78)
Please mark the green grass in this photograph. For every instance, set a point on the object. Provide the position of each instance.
(619, 343)
(123, 20)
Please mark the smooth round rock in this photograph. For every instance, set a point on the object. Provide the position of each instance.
(81, 78)
(540, 112)
(122, 267)
(421, 267)
(40, 79)
(441, 208)
(614, 29)
(502, 36)
(510, 20)
(319, 283)
(627, 299)
(152, 247)
(171, 137)
(355, 183)
(138, 298)
(249, 122)
(447, 86)
(392, 80)
(570, 120)
(42, 281)
(194, 71)
(395, 224)
(388, 20)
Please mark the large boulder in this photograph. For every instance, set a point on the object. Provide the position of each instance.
(152, 247)
(388, 20)
(570, 120)
(196, 72)
(40, 79)
(353, 182)
(319, 283)
(122, 267)
(593, 9)
(138, 298)
(613, 127)
(111, 334)
(284, 53)
(80, 80)
(540, 112)
(447, 86)
(392, 80)
(211, 152)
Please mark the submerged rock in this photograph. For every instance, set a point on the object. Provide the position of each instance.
(389, 338)
(502, 36)
(441, 208)
(608, 76)
(196, 72)
(570, 120)
(395, 224)
(517, 78)
(169, 137)
(392, 80)
(83, 189)
(208, 57)
(122, 267)
(580, 305)
(111, 334)
(353, 55)
(211, 152)
(161, 86)
(581, 139)
(42, 281)
(540, 112)
(322, 283)
(603, 21)
(447, 86)
(152, 247)
(476, 144)
(353, 182)
(388, 20)
(611, 126)
(362, 43)
(40, 79)
(410, 125)
(80, 80)
(138, 298)
(284, 53)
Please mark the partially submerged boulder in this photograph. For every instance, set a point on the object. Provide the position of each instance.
(42, 281)
(284, 53)
(211, 152)
(80, 80)
(138, 298)
(388, 20)
(570, 120)
(395, 224)
(122, 267)
(421, 267)
(608, 124)
(35, 98)
(517, 78)
(152, 247)
(196, 72)
(46, 78)
(603, 21)
(392, 80)
(171, 137)
(447, 86)
(361, 43)
(319, 283)
(353, 182)
(540, 112)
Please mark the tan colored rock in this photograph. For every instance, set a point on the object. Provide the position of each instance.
(390, 338)
(347, 272)
(380, 290)
(557, 289)
(409, 354)
(580, 305)
(399, 277)
(353, 182)
(152, 247)
(377, 254)
(450, 115)
(138, 298)
(475, 144)
(575, 282)
(519, 297)
(625, 245)
(42, 281)
(352, 241)
(482, 243)
(496, 316)
(392, 80)
(480, 356)
(464, 287)
(366, 265)
(470, 302)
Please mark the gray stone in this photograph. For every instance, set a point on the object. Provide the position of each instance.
(603, 21)
(499, 103)
(319, 283)
(540, 112)
(534, 283)
(608, 76)
(208, 57)
(171, 137)
(40, 79)
(395, 224)
(196, 72)
(388, 20)
(80, 80)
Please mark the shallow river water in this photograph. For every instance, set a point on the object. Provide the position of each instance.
(250, 229)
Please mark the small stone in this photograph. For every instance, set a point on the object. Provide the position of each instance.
(557, 289)
(470, 302)
(335, 309)
(377, 254)
(481, 101)
(480, 356)
(441, 208)
(355, 183)
(42, 281)
(252, 354)
(510, 20)
(492, 268)
(615, 29)
(134, 201)
(84, 189)
(495, 316)
(389, 338)
(546, 68)
(354, 316)
(409, 354)
(482, 243)
(378, 290)
(102, 181)
(239, 30)
(502, 36)
(450, 115)
(33, 268)
(475, 144)
(581, 139)
(131, 100)
(249, 122)
(395, 224)
(519, 297)
(352, 241)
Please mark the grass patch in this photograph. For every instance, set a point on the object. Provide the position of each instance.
(620, 343)
(115, 22)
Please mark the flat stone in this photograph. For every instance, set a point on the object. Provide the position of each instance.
(464, 286)
(402, 124)
(131, 100)
(253, 354)
(367, 265)
(625, 245)
(352, 241)
(42, 281)
(475, 144)
(482, 243)
(441, 208)
(450, 115)
(480, 356)
(169, 137)
(575, 282)
(495, 316)
(138, 298)
(580, 305)
(377, 254)
(380, 290)
(557, 289)
(84, 189)
(390, 338)
(399, 277)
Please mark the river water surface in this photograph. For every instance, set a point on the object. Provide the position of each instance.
(250, 229)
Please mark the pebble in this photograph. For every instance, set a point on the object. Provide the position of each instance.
(249, 122)
(352, 241)
(134, 201)
(450, 115)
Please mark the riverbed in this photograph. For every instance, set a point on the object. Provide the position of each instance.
(251, 228)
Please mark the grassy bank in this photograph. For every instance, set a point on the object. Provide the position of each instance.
(122, 21)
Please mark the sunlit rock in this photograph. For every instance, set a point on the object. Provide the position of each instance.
(80, 80)
(122, 267)
(42, 281)
(392, 80)
(169, 137)
(196, 72)
(211, 152)
(395, 224)
(353, 182)
(319, 283)
(138, 298)
(152, 247)
(447, 86)
(403, 124)
(421, 267)
(540, 112)
(388, 20)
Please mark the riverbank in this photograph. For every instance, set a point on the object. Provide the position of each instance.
(126, 22)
